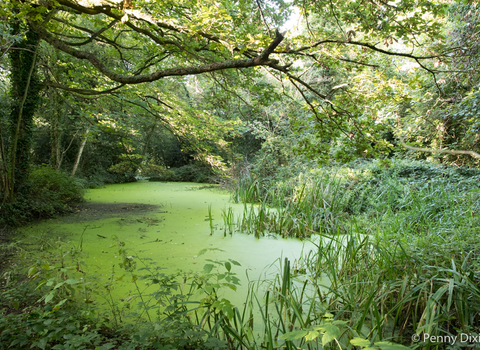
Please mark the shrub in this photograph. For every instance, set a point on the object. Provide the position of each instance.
(187, 173)
(46, 194)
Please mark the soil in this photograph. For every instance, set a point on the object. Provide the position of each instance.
(94, 211)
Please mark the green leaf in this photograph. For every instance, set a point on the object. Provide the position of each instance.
(203, 251)
(331, 332)
(61, 302)
(228, 266)
(339, 322)
(72, 281)
(48, 297)
(360, 342)
(228, 309)
(312, 335)
(207, 268)
(38, 328)
(234, 262)
(293, 335)
(32, 271)
(58, 285)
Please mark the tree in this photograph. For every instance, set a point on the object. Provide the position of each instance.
(441, 116)
(148, 41)
(119, 43)
(24, 91)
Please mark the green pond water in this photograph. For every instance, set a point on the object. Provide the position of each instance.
(169, 230)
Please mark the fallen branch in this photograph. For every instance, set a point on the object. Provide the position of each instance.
(442, 150)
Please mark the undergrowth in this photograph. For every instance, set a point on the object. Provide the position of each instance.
(398, 242)
(47, 193)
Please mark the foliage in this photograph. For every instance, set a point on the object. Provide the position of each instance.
(52, 192)
(440, 114)
(196, 172)
(49, 193)
(45, 328)
(405, 254)
(158, 98)
(68, 328)
(24, 94)
(406, 264)
(432, 199)
(52, 307)
(338, 46)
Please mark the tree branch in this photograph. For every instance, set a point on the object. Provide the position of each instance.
(95, 34)
(442, 150)
(87, 92)
(261, 60)
(359, 43)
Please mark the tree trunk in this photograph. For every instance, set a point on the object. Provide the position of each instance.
(55, 139)
(80, 151)
(4, 181)
(25, 89)
(55, 134)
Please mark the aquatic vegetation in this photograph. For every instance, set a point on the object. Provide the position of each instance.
(401, 256)
(228, 221)
(210, 219)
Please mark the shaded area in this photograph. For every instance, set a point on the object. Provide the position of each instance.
(7, 250)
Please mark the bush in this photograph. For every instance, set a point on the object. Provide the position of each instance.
(187, 173)
(52, 192)
(46, 194)
(102, 177)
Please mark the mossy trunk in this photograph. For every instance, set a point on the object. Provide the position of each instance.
(24, 93)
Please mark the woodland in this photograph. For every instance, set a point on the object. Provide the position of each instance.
(356, 120)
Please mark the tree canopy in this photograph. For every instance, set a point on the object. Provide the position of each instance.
(143, 41)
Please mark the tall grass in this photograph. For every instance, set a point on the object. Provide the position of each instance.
(402, 254)
(303, 206)
(356, 289)
(414, 197)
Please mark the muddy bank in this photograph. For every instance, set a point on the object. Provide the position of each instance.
(89, 211)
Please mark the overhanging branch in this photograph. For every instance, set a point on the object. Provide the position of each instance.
(261, 60)
(86, 92)
(359, 43)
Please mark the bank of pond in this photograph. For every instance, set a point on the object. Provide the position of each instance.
(155, 265)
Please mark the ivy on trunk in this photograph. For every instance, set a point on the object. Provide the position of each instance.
(24, 91)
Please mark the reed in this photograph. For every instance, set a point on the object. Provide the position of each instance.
(210, 219)
(229, 222)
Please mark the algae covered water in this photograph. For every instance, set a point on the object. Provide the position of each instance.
(164, 224)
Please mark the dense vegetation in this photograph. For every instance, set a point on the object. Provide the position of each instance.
(360, 124)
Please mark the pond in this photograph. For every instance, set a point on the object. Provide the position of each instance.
(161, 224)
